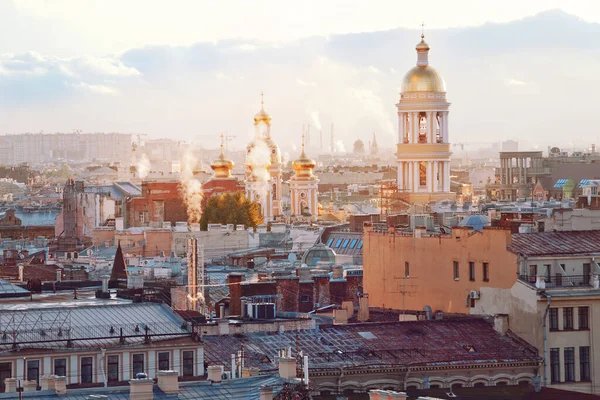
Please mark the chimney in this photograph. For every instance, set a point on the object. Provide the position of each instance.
(250, 371)
(29, 386)
(266, 393)
(349, 307)
(501, 323)
(10, 385)
(168, 381)
(141, 388)
(338, 272)
(60, 385)
(287, 367)
(47, 382)
(21, 273)
(340, 317)
(58, 275)
(119, 224)
(215, 373)
(363, 308)
(105, 279)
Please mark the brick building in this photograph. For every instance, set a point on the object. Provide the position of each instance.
(159, 202)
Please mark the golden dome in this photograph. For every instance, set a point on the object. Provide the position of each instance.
(303, 165)
(222, 166)
(262, 115)
(423, 78)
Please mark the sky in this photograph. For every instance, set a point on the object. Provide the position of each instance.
(189, 69)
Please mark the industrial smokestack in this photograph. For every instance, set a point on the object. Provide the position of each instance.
(331, 140)
(321, 139)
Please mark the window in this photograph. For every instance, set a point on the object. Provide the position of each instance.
(163, 361)
(329, 242)
(60, 366)
(86, 369)
(584, 317)
(548, 272)
(112, 368)
(569, 354)
(584, 363)
(33, 370)
(5, 372)
(554, 319)
(138, 364)
(532, 273)
(406, 269)
(587, 270)
(304, 299)
(345, 244)
(338, 242)
(456, 272)
(554, 366)
(353, 243)
(471, 271)
(568, 318)
(188, 363)
(486, 272)
(359, 244)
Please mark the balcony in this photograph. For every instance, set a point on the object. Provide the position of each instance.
(560, 281)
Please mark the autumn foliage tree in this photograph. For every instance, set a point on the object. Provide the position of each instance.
(230, 208)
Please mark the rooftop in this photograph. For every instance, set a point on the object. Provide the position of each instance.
(426, 343)
(556, 243)
(88, 326)
(235, 389)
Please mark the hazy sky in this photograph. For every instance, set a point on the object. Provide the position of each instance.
(189, 69)
(117, 25)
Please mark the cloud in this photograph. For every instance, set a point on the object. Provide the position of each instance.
(514, 82)
(301, 82)
(100, 89)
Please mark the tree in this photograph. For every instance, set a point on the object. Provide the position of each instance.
(230, 208)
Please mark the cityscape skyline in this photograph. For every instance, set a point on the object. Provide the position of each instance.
(198, 91)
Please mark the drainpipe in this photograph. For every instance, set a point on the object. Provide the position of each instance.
(102, 357)
(546, 340)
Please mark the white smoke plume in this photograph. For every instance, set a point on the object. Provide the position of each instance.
(143, 166)
(286, 158)
(339, 146)
(314, 116)
(191, 188)
(259, 159)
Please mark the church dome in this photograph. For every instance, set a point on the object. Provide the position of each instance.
(359, 147)
(303, 165)
(222, 166)
(423, 77)
(262, 116)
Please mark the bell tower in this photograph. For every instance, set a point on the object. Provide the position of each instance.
(423, 150)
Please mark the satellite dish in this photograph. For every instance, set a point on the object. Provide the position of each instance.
(292, 257)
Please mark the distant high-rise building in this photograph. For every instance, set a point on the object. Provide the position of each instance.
(423, 143)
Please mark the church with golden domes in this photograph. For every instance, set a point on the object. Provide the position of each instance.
(423, 150)
(222, 181)
(263, 175)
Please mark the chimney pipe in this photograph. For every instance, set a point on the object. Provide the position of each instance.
(215, 373)
(105, 279)
(168, 381)
(58, 275)
(21, 273)
(306, 370)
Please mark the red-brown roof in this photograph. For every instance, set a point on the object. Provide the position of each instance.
(556, 243)
(436, 342)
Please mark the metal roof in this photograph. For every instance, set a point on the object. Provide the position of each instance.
(7, 289)
(401, 343)
(235, 389)
(88, 326)
(556, 243)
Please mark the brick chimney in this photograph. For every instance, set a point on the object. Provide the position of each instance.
(29, 386)
(10, 385)
(235, 293)
(141, 389)
(363, 308)
(501, 323)
(47, 382)
(168, 381)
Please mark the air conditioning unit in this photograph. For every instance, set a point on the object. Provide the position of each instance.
(474, 294)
